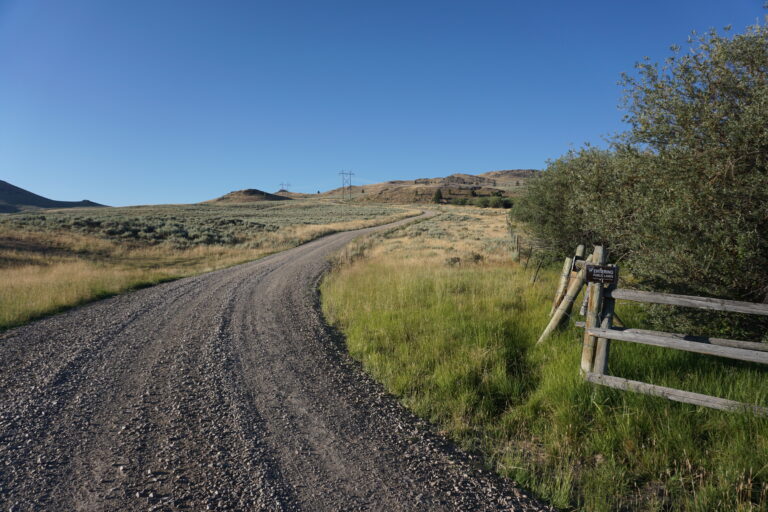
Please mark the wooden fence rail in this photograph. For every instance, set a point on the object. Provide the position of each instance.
(677, 395)
(733, 306)
(602, 293)
(655, 340)
(723, 342)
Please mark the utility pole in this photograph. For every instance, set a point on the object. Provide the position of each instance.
(346, 183)
(285, 186)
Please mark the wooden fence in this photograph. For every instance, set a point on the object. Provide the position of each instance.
(599, 331)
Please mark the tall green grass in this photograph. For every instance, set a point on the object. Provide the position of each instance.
(457, 344)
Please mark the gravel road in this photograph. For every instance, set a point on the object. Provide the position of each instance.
(225, 391)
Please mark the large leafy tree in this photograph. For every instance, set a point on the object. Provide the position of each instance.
(699, 127)
(682, 196)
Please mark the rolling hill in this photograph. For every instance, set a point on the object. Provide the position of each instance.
(249, 195)
(505, 183)
(15, 199)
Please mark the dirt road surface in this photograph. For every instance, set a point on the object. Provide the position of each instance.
(225, 391)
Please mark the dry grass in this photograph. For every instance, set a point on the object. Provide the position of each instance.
(460, 236)
(48, 274)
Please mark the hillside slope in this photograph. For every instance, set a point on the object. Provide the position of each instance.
(460, 185)
(15, 199)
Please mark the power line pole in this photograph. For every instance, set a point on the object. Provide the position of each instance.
(346, 183)
(285, 186)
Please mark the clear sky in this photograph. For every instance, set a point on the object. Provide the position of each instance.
(170, 101)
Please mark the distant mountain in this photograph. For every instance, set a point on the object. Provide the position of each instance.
(15, 199)
(248, 195)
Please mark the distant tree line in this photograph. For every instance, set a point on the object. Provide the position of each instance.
(494, 201)
(681, 197)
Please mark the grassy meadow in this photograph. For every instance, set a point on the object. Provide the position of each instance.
(53, 260)
(439, 313)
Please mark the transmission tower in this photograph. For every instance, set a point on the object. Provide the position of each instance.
(285, 186)
(346, 183)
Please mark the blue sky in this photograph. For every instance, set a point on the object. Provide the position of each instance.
(174, 101)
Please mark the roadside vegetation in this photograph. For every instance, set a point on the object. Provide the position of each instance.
(53, 260)
(439, 313)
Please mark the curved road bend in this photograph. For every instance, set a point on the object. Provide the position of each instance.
(225, 391)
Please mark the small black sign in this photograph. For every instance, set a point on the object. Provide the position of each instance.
(602, 274)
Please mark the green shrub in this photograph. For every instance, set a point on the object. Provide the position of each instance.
(482, 202)
(496, 202)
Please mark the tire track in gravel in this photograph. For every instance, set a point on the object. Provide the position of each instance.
(225, 391)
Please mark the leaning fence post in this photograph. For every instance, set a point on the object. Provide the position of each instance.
(516, 247)
(595, 292)
(565, 305)
(538, 267)
(528, 258)
(563, 285)
(576, 259)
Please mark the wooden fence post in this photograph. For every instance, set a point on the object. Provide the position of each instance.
(565, 305)
(584, 305)
(603, 344)
(595, 292)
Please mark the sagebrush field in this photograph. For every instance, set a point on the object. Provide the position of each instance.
(56, 259)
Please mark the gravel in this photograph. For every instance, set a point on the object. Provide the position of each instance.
(225, 391)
